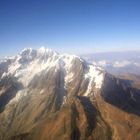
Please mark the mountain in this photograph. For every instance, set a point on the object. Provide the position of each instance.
(49, 96)
(116, 62)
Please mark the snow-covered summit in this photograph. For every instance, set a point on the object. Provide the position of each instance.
(30, 62)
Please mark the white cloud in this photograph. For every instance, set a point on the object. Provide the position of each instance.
(123, 63)
(102, 63)
(137, 64)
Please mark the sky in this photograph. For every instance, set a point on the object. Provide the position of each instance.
(71, 26)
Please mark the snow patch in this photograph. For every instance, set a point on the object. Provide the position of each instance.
(42, 91)
(18, 96)
(64, 100)
(95, 77)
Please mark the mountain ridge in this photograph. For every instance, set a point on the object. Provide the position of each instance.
(47, 96)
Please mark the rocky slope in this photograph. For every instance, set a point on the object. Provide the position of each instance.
(133, 78)
(48, 96)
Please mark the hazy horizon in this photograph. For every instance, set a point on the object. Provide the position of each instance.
(76, 53)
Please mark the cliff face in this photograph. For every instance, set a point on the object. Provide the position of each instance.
(48, 96)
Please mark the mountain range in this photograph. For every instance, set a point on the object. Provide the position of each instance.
(45, 95)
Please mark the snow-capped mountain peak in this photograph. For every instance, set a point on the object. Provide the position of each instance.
(29, 63)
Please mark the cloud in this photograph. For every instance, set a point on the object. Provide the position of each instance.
(137, 64)
(102, 63)
(119, 64)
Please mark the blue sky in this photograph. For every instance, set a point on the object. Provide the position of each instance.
(72, 26)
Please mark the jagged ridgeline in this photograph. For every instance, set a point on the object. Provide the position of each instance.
(49, 96)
